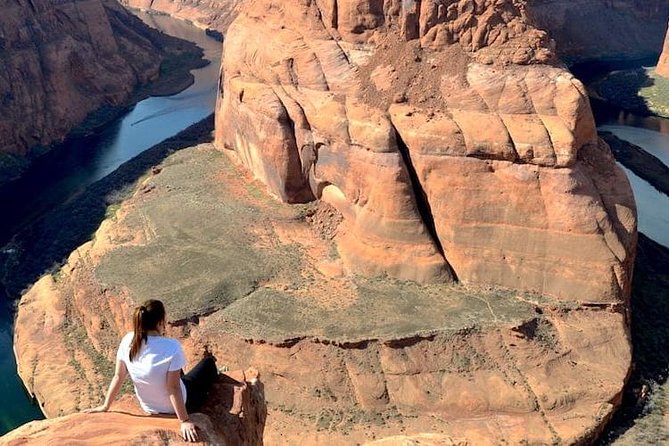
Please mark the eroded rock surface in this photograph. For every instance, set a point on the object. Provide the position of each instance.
(343, 360)
(663, 64)
(448, 137)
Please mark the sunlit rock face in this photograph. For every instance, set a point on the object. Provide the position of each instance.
(449, 137)
(62, 60)
(342, 359)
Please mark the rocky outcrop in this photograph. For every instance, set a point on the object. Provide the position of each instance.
(110, 429)
(450, 149)
(663, 64)
(240, 411)
(418, 141)
(208, 14)
(63, 60)
(343, 360)
(591, 30)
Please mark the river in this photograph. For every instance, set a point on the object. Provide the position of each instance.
(651, 134)
(65, 172)
(62, 174)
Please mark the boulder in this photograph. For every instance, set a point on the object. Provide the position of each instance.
(344, 359)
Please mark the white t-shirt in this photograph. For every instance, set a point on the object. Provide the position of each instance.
(148, 371)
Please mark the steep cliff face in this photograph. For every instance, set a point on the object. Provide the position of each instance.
(208, 14)
(663, 63)
(343, 360)
(603, 29)
(443, 135)
(62, 60)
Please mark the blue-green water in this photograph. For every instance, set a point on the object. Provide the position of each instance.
(652, 135)
(16, 407)
(62, 174)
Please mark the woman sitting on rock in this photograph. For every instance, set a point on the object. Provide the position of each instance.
(154, 363)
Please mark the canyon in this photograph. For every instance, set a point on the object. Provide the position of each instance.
(405, 221)
(64, 60)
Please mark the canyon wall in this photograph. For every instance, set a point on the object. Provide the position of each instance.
(449, 138)
(587, 30)
(63, 60)
(209, 14)
(413, 140)
(342, 359)
(663, 63)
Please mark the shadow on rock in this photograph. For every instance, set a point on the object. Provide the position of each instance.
(238, 409)
(623, 90)
(640, 419)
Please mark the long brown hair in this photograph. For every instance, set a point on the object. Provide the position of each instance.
(147, 317)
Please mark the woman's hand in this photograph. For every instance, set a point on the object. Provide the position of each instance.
(189, 431)
(102, 408)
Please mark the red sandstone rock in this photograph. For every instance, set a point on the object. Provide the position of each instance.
(663, 64)
(113, 428)
(496, 366)
(483, 162)
(490, 154)
(63, 60)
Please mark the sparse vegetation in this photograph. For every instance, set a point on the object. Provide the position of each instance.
(640, 90)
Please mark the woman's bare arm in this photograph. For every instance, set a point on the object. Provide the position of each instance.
(120, 374)
(188, 430)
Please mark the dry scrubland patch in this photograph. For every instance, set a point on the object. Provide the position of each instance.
(207, 246)
(343, 358)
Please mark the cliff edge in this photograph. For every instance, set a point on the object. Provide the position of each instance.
(407, 223)
(663, 64)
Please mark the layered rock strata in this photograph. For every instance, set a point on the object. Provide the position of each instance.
(342, 360)
(446, 136)
(663, 64)
(62, 60)
(209, 14)
(436, 142)
(595, 30)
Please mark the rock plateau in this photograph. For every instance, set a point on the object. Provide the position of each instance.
(343, 359)
(408, 146)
